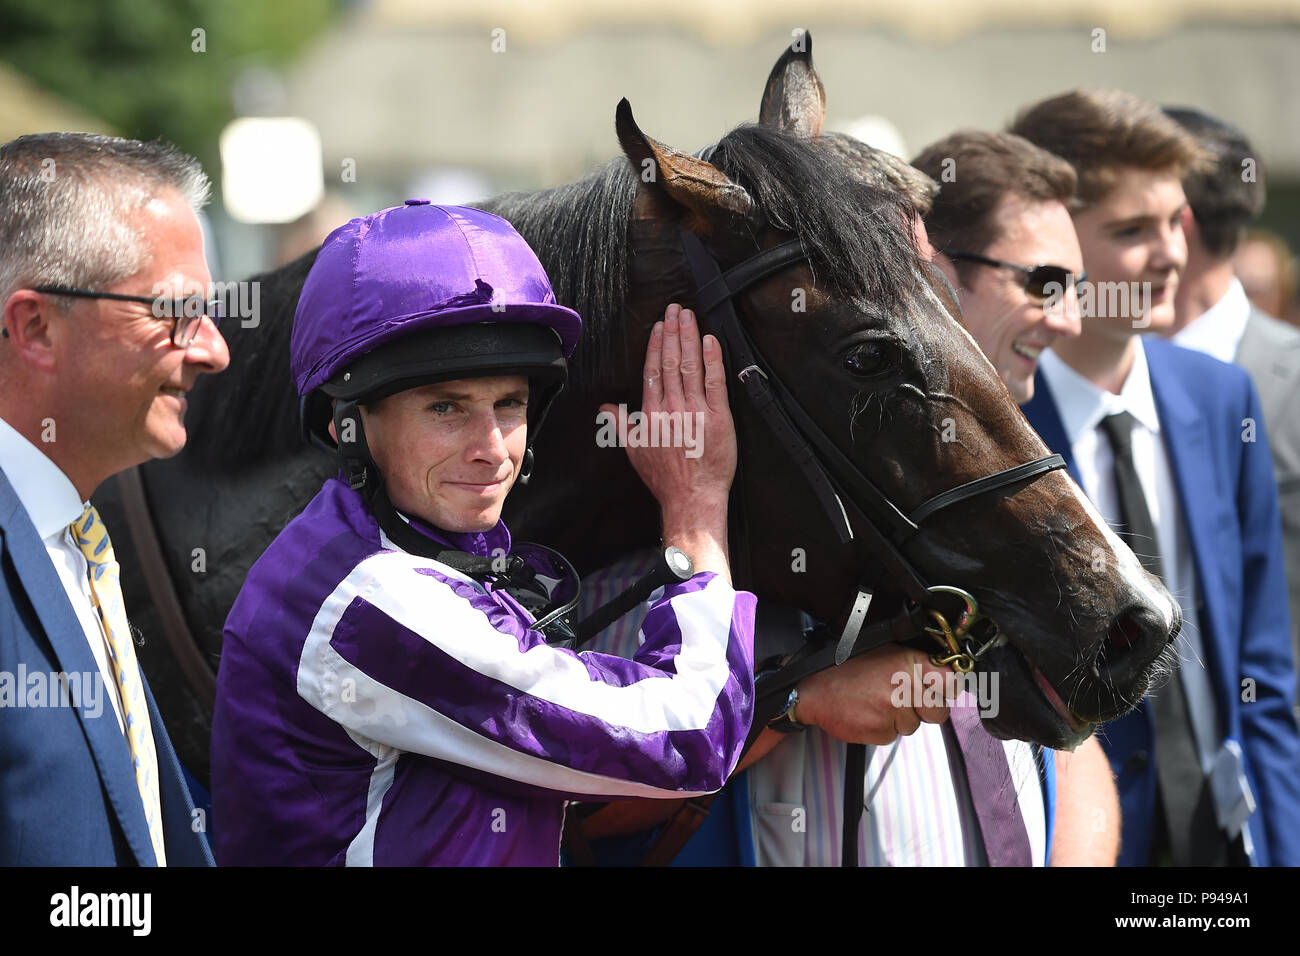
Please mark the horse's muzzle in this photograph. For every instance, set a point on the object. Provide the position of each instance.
(1121, 670)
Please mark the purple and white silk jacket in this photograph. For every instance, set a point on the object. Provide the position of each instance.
(377, 707)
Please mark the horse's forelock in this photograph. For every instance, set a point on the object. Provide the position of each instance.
(859, 235)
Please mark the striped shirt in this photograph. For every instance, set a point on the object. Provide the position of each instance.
(918, 809)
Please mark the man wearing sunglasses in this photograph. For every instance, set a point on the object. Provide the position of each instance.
(1170, 445)
(98, 238)
(1001, 228)
(1003, 235)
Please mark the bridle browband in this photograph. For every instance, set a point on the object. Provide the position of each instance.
(843, 493)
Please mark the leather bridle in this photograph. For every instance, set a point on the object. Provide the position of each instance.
(844, 493)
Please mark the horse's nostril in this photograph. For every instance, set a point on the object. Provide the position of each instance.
(1118, 672)
(1135, 638)
(1125, 632)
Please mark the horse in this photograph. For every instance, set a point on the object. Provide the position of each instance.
(915, 459)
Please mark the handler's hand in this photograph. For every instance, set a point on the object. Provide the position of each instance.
(854, 702)
(691, 479)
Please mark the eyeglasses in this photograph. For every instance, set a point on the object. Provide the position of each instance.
(186, 314)
(1041, 282)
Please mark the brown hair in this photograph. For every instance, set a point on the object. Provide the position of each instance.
(1101, 132)
(1224, 199)
(975, 170)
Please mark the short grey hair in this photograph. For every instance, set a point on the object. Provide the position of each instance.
(66, 200)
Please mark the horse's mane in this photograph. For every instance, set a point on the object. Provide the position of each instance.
(579, 232)
(858, 236)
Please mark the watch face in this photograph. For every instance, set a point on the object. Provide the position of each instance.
(786, 723)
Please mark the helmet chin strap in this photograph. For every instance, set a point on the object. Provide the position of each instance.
(526, 466)
(363, 476)
(358, 465)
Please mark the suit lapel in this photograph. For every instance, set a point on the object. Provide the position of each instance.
(1203, 507)
(63, 630)
(1043, 415)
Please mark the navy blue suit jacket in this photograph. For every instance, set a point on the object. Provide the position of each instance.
(1229, 502)
(68, 795)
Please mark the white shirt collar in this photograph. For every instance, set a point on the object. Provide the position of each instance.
(1083, 405)
(47, 494)
(1218, 330)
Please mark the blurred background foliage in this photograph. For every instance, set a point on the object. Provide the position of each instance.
(137, 65)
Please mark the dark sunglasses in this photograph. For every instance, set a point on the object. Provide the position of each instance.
(185, 314)
(1041, 282)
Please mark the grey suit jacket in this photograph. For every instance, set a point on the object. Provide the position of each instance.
(1270, 352)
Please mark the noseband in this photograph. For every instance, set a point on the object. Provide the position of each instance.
(842, 491)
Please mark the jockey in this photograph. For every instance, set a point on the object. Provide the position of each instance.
(384, 697)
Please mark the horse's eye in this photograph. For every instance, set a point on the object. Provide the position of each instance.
(868, 360)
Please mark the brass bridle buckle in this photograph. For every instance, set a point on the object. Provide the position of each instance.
(955, 640)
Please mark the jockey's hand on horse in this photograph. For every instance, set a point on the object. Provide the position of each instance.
(855, 701)
(692, 479)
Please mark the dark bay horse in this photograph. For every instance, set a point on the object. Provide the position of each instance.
(862, 331)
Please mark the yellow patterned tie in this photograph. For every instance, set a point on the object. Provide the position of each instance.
(106, 589)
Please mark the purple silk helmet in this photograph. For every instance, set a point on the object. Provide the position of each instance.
(417, 294)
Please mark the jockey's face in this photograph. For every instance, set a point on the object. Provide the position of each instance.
(450, 452)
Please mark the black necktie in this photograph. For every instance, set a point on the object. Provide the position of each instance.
(1191, 834)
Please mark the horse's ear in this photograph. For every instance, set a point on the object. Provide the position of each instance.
(684, 180)
(794, 100)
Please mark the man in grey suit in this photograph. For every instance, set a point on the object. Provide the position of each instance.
(1214, 315)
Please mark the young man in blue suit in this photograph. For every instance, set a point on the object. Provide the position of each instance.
(1170, 445)
(102, 278)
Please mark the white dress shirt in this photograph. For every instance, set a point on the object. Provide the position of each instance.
(52, 503)
(1218, 330)
(1082, 406)
(918, 808)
